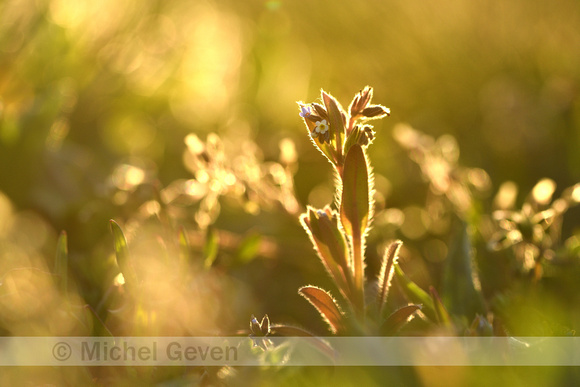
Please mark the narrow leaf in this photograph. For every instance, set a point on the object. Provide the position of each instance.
(386, 274)
(460, 289)
(442, 314)
(184, 248)
(122, 254)
(326, 306)
(415, 293)
(61, 263)
(355, 204)
(337, 127)
(210, 247)
(399, 318)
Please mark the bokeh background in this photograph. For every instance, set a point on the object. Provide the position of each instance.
(97, 99)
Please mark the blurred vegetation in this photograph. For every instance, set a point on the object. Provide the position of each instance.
(179, 121)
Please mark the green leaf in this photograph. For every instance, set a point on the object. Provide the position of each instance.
(337, 127)
(442, 315)
(415, 293)
(355, 205)
(460, 289)
(211, 246)
(399, 318)
(386, 273)
(326, 306)
(249, 248)
(184, 248)
(61, 263)
(122, 254)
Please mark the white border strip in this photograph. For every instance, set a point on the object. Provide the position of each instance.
(290, 351)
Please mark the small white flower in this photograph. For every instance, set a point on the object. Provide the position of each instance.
(321, 127)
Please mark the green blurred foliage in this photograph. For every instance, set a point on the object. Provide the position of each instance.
(97, 100)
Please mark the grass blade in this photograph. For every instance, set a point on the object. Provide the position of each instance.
(399, 318)
(122, 254)
(460, 288)
(210, 247)
(184, 248)
(442, 314)
(415, 293)
(61, 263)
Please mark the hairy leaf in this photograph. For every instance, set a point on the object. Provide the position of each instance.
(122, 254)
(326, 306)
(355, 203)
(337, 127)
(386, 273)
(330, 244)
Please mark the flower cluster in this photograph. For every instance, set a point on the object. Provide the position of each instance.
(534, 231)
(334, 130)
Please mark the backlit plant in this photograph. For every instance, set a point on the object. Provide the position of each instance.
(338, 235)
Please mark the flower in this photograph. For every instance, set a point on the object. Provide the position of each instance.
(305, 111)
(321, 127)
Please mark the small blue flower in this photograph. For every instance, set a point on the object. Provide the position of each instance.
(305, 111)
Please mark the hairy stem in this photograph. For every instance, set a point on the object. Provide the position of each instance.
(359, 290)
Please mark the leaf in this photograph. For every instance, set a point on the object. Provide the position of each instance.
(415, 293)
(122, 254)
(352, 138)
(324, 148)
(376, 111)
(317, 342)
(386, 273)
(330, 244)
(326, 306)
(184, 248)
(249, 248)
(460, 289)
(355, 203)
(336, 122)
(399, 318)
(442, 314)
(61, 263)
(210, 247)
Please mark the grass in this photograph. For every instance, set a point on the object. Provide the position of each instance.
(455, 215)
